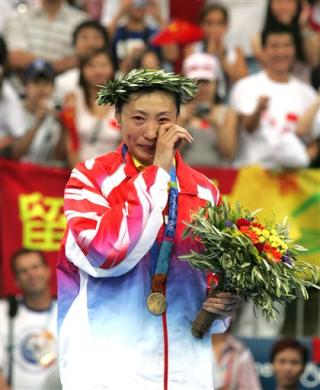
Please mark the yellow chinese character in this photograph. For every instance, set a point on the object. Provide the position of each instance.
(43, 222)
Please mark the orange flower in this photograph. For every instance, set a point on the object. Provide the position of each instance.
(272, 253)
(249, 233)
(258, 225)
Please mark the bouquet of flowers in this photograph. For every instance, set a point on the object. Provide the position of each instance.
(240, 254)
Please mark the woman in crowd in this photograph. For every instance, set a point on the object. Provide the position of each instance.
(213, 125)
(214, 21)
(92, 129)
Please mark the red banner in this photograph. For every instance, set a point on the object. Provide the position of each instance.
(31, 214)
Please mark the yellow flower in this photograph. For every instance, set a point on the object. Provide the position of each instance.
(274, 239)
(265, 233)
(261, 239)
(256, 230)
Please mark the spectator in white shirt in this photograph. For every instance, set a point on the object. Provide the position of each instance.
(269, 104)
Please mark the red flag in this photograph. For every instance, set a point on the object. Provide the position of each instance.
(178, 31)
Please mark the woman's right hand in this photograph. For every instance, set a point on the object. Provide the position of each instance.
(169, 138)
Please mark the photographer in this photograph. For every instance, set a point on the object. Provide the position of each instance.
(213, 125)
(43, 142)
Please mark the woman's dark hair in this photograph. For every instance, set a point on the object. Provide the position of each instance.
(83, 62)
(213, 8)
(289, 343)
(93, 24)
(272, 23)
(146, 90)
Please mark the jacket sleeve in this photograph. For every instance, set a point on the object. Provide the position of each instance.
(109, 240)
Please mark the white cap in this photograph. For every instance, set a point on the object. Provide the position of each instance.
(202, 66)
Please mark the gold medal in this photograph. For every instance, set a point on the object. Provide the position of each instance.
(156, 303)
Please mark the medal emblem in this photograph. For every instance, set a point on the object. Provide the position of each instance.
(157, 303)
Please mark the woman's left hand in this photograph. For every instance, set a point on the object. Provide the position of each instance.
(223, 304)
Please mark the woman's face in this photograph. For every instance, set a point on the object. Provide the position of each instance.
(150, 61)
(287, 367)
(88, 39)
(98, 70)
(214, 25)
(284, 10)
(140, 120)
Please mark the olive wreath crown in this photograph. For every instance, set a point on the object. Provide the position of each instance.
(118, 91)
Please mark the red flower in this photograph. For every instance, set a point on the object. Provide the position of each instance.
(259, 246)
(267, 247)
(212, 280)
(244, 229)
(276, 255)
(249, 233)
(242, 222)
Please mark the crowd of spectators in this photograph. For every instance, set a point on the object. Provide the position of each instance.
(258, 101)
(257, 67)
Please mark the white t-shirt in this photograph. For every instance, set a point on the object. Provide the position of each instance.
(65, 83)
(34, 349)
(12, 123)
(274, 143)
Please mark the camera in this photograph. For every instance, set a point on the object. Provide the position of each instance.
(54, 105)
(203, 109)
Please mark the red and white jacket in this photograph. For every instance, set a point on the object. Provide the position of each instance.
(108, 338)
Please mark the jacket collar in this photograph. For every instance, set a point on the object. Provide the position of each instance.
(185, 177)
